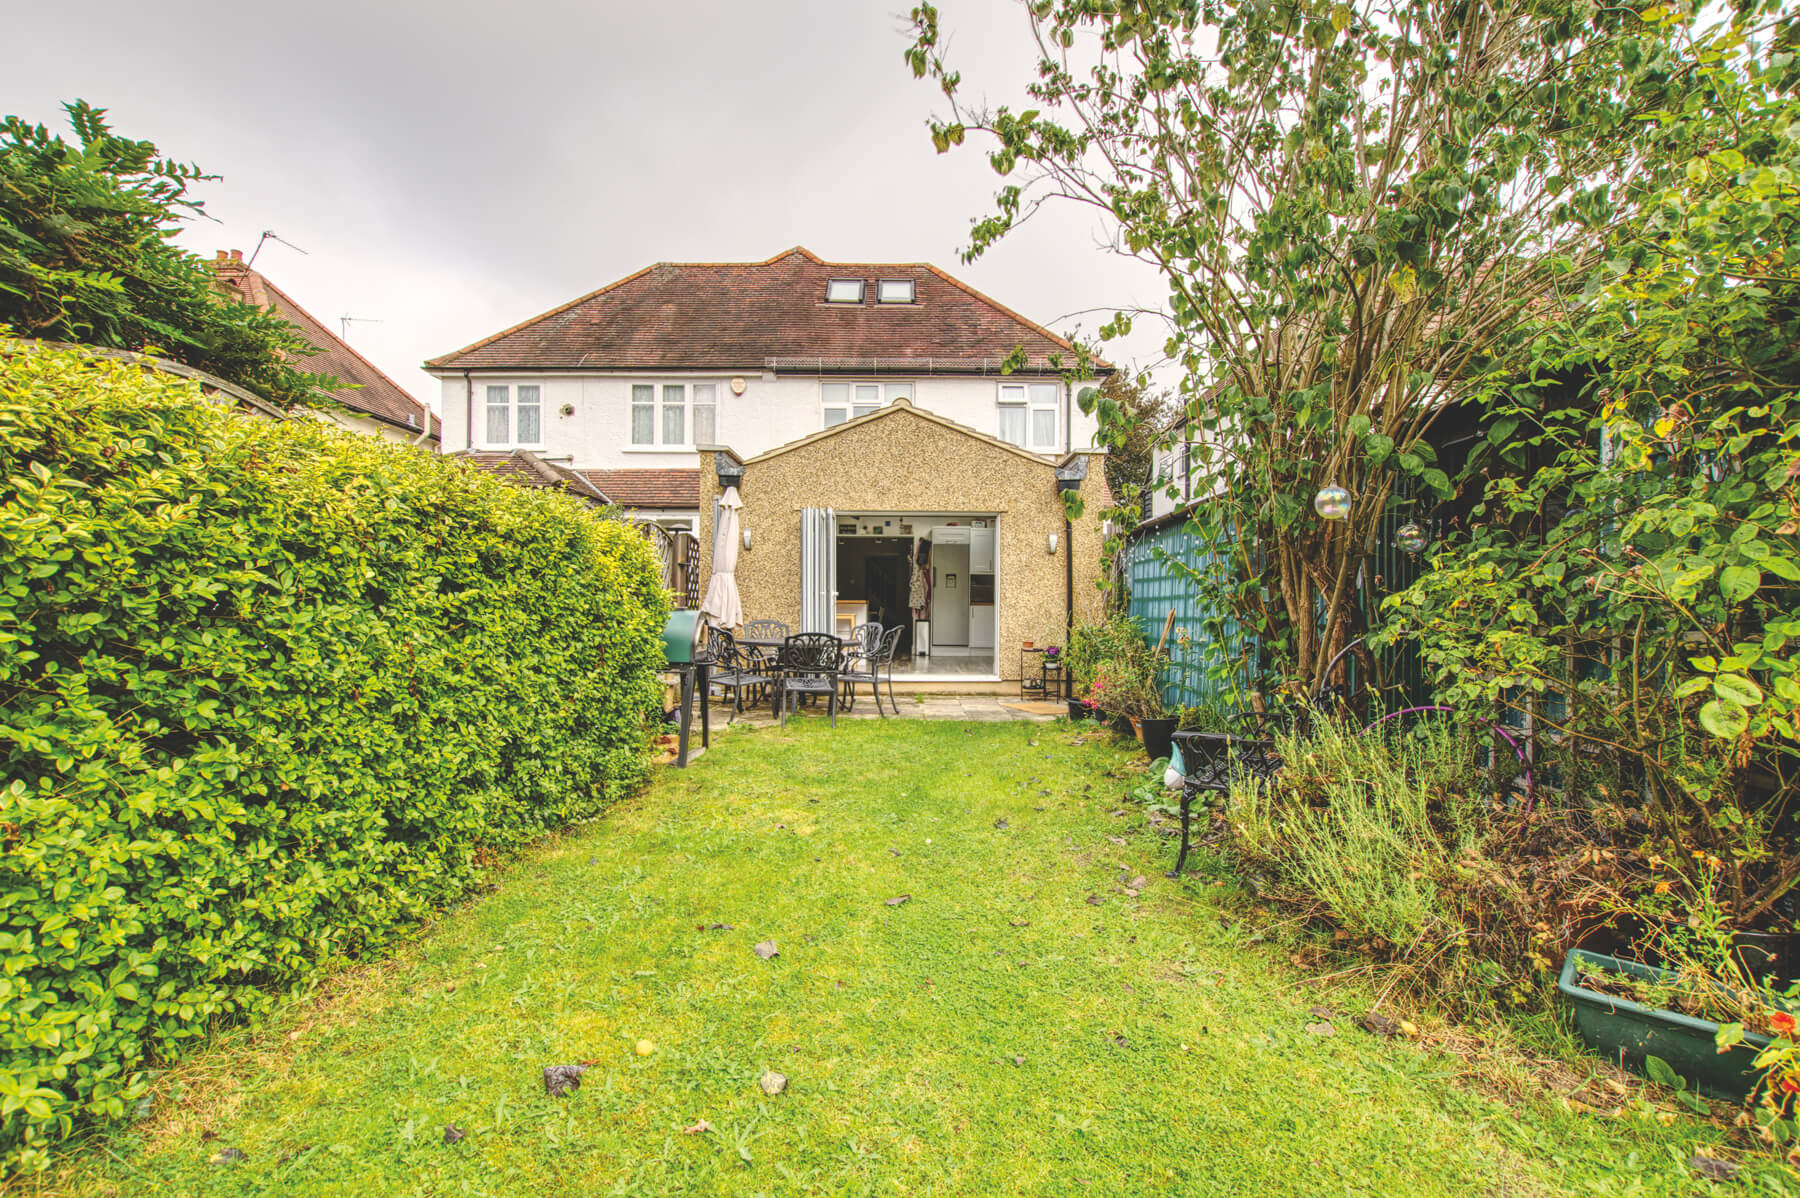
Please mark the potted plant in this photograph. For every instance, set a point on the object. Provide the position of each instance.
(1628, 1012)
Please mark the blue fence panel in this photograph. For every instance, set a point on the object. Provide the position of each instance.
(1167, 570)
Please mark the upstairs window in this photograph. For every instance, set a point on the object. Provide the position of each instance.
(514, 415)
(706, 413)
(1027, 415)
(894, 291)
(840, 402)
(844, 291)
(660, 414)
(643, 414)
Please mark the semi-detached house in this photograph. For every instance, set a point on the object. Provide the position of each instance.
(861, 409)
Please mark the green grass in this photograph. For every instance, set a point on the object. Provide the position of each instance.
(997, 1034)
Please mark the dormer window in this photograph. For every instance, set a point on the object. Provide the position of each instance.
(844, 291)
(894, 291)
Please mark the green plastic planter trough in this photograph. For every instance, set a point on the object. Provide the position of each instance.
(1625, 1032)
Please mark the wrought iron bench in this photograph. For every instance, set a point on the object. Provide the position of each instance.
(1210, 762)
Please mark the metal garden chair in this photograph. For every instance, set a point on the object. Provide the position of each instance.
(868, 667)
(733, 671)
(808, 665)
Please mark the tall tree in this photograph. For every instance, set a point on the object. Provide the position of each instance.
(1133, 417)
(87, 255)
(1351, 203)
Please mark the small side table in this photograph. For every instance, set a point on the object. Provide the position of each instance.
(1031, 673)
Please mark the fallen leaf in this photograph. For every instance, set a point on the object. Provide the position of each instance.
(898, 899)
(1001, 823)
(1118, 840)
(228, 1156)
(1094, 900)
(1714, 1169)
(695, 1129)
(1138, 883)
(766, 949)
(773, 1083)
(1018, 1060)
(895, 852)
(562, 1079)
(1321, 1013)
(1019, 923)
(453, 1133)
(1379, 1024)
(1321, 1029)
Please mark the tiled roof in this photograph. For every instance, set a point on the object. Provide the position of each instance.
(372, 393)
(527, 469)
(648, 488)
(773, 314)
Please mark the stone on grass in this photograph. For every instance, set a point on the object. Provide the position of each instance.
(1714, 1169)
(766, 949)
(898, 899)
(453, 1133)
(562, 1079)
(773, 1083)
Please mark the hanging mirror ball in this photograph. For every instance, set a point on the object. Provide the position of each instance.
(1332, 502)
(1410, 537)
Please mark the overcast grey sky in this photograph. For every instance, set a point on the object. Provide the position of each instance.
(452, 168)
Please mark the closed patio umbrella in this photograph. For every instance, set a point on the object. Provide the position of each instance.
(721, 606)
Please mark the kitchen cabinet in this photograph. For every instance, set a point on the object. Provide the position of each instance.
(981, 626)
(981, 551)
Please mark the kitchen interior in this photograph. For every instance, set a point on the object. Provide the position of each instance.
(874, 574)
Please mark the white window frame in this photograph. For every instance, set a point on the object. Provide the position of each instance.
(654, 397)
(842, 400)
(1030, 400)
(883, 295)
(831, 285)
(509, 396)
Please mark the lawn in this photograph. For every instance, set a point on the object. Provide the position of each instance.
(1026, 1022)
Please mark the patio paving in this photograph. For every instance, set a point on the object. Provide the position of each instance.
(982, 709)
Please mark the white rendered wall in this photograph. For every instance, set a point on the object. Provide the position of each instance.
(772, 411)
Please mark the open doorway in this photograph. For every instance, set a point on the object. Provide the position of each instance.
(876, 556)
(873, 572)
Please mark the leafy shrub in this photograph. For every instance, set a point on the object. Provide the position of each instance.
(268, 691)
(1372, 828)
(1113, 664)
(88, 254)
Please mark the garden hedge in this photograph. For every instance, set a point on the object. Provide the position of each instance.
(268, 692)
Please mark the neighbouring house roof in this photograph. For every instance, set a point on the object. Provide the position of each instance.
(527, 469)
(649, 488)
(771, 316)
(370, 392)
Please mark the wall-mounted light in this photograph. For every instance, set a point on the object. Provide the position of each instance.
(746, 538)
(1052, 542)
